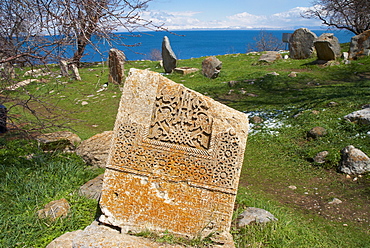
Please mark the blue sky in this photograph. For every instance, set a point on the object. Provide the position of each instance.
(230, 14)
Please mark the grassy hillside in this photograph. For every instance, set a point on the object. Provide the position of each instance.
(278, 152)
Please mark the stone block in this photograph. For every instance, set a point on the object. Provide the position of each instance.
(175, 160)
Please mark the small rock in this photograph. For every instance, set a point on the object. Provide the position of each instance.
(92, 189)
(256, 215)
(273, 73)
(332, 104)
(292, 74)
(232, 83)
(256, 119)
(292, 187)
(83, 103)
(320, 157)
(316, 132)
(54, 209)
(335, 201)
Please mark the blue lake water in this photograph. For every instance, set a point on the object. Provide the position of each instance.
(194, 44)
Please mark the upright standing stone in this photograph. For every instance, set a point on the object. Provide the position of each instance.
(327, 47)
(168, 56)
(175, 160)
(360, 45)
(3, 118)
(116, 63)
(301, 44)
(64, 68)
(211, 67)
(76, 73)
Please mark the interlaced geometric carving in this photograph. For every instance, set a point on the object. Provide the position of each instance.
(180, 117)
(219, 169)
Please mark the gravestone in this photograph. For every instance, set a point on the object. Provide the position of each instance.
(301, 44)
(327, 47)
(116, 63)
(3, 118)
(75, 72)
(64, 68)
(168, 56)
(175, 160)
(360, 45)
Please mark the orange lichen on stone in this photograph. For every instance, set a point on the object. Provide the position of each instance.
(175, 159)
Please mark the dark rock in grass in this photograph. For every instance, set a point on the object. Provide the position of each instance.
(301, 44)
(94, 151)
(211, 67)
(168, 56)
(361, 116)
(54, 209)
(92, 189)
(255, 215)
(320, 158)
(360, 45)
(316, 132)
(62, 140)
(256, 119)
(354, 161)
(270, 56)
(327, 47)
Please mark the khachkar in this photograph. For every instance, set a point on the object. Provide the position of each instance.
(175, 160)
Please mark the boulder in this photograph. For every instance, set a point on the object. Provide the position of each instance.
(54, 209)
(327, 47)
(302, 44)
(360, 45)
(98, 235)
(211, 67)
(168, 56)
(94, 151)
(361, 116)
(353, 161)
(254, 215)
(116, 64)
(270, 56)
(92, 189)
(62, 140)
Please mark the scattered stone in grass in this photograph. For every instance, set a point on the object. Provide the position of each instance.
(94, 125)
(315, 112)
(83, 103)
(255, 215)
(256, 119)
(251, 95)
(321, 157)
(292, 187)
(332, 104)
(273, 73)
(361, 116)
(232, 83)
(243, 92)
(316, 132)
(90, 95)
(292, 74)
(335, 201)
(54, 209)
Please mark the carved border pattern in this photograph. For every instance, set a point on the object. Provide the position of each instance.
(218, 169)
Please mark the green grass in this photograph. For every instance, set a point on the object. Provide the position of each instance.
(278, 153)
(29, 180)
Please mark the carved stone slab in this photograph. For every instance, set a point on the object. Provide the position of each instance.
(175, 160)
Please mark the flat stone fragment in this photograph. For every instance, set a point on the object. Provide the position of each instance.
(185, 70)
(175, 161)
(54, 209)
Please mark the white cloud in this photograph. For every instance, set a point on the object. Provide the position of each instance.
(290, 19)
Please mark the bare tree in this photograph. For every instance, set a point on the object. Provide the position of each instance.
(351, 15)
(266, 41)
